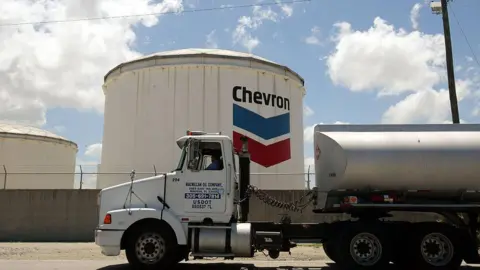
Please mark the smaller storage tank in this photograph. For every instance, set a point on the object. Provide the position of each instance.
(32, 158)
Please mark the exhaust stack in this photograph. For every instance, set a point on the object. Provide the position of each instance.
(244, 164)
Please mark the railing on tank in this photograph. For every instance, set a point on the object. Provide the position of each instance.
(85, 176)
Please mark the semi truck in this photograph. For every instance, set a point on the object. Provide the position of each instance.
(368, 172)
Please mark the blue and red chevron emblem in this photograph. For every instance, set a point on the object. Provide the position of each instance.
(266, 129)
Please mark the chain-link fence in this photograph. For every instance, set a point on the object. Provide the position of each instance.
(85, 176)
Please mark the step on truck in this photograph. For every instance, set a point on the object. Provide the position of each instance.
(369, 172)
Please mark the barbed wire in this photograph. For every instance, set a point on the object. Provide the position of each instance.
(92, 169)
(85, 178)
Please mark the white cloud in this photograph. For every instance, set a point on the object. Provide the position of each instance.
(396, 62)
(314, 38)
(62, 64)
(307, 111)
(428, 106)
(94, 151)
(86, 170)
(476, 94)
(388, 55)
(308, 131)
(242, 34)
(211, 40)
(415, 14)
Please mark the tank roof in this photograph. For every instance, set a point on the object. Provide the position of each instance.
(199, 52)
(9, 129)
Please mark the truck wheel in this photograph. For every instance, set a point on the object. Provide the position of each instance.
(436, 246)
(363, 246)
(329, 249)
(150, 249)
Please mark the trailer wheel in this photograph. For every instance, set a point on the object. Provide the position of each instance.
(151, 248)
(436, 246)
(363, 246)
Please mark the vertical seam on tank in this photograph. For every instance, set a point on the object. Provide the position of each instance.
(188, 98)
(204, 97)
(275, 112)
(174, 97)
(136, 119)
(218, 100)
(258, 108)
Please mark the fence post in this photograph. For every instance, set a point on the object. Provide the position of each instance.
(81, 176)
(308, 178)
(5, 177)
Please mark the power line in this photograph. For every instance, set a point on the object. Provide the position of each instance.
(276, 3)
(465, 36)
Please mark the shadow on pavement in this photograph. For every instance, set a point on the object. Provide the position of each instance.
(244, 266)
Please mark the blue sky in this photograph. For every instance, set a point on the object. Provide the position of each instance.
(358, 68)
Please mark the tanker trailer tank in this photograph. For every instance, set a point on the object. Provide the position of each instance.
(443, 157)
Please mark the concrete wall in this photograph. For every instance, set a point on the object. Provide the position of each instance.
(71, 215)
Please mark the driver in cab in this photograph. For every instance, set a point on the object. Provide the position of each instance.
(216, 163)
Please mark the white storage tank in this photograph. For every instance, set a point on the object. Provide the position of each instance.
(152, 101)
(32, 158)
(397, 157)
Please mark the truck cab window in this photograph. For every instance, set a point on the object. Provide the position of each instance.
(207, 156)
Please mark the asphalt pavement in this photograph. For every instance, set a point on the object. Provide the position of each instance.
(196, 265)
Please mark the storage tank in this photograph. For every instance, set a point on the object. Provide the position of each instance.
(392, 157)
(152, 101)
(32, 158)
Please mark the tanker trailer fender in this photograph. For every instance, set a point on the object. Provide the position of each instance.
(125, 218)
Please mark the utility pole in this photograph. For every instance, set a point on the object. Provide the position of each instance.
(442, 8)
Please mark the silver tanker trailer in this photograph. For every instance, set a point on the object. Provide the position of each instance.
(398, 157)
(374, 172)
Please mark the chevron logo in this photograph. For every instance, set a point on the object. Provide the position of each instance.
(266, 129)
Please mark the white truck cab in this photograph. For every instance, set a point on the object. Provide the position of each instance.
(150, 218)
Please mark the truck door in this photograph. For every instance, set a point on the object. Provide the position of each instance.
(205, 178)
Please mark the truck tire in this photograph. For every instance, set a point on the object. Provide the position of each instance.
(151, 248)
(436, 246)
(329, 249)
(363, 246)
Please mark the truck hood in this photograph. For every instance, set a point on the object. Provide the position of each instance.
(118, 196)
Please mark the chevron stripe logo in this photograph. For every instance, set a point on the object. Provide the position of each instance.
(266, 129)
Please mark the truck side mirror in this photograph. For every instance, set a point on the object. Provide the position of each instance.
(193, 155)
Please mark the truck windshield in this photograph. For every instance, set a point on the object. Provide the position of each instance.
(182, 157)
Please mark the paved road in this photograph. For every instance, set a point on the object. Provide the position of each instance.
(197, 265)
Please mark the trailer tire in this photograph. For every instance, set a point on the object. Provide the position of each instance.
(436, 246)
(363, 246)
(151, 248)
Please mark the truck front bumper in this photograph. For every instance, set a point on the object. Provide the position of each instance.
(109, 241)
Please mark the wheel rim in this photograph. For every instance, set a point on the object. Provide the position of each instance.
(150, 248)
(366, 249)
(437, 249)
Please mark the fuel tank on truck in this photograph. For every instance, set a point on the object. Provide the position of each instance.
(397, 157)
